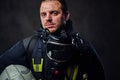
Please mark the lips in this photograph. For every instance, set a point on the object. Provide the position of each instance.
(49, 25)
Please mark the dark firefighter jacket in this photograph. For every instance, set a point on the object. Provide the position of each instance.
(82, 63)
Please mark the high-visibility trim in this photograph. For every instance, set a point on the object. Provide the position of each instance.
(37, 67)
(68, 72)
(34, 66)
(75, 73)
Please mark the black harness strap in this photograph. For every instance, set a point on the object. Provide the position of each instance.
(26, 41)
(29, 44)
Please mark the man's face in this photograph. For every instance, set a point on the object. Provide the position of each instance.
(51, 15)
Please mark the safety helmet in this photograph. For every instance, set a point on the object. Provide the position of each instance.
(16, 72)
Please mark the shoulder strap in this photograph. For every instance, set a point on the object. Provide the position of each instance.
(26, 41)
(29, 44)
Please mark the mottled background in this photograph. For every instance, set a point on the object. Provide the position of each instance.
(98, 21)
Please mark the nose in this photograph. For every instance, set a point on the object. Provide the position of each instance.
(48, 17)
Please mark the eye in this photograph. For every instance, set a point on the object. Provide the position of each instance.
(54, 13)
(43, 14)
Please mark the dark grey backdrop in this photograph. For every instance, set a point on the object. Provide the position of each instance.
(98, 21)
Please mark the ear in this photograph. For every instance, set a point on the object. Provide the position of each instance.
(67, 15)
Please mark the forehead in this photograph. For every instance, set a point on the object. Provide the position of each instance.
(50, 5)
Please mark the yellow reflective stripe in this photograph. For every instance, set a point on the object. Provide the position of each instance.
(33, 63)
(68, 72)
(37, 67)
(65, 78)
(75, 73)
(40, 65)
